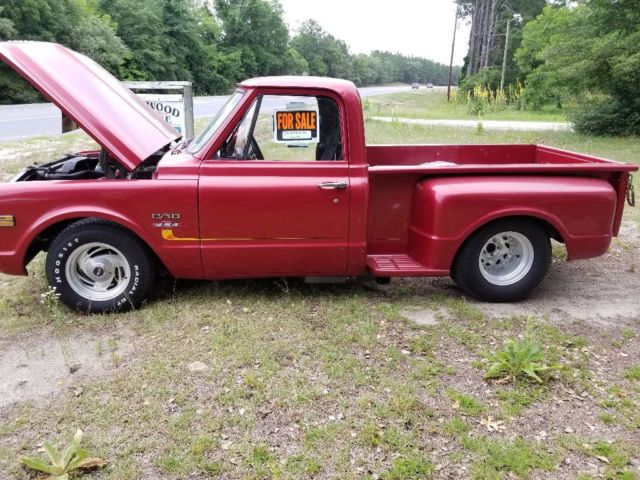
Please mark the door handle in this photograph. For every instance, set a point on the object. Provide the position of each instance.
(333, 185)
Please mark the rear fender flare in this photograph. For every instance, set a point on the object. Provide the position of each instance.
(539, 215)
(542, 217)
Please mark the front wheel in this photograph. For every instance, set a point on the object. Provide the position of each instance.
(503, 261)
(99, 267)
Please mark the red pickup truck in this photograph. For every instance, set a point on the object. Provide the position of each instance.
(282, 183)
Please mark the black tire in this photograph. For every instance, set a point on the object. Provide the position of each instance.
(468, 273)
(118, 259)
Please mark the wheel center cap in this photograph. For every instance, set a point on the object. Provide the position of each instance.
(98, 271)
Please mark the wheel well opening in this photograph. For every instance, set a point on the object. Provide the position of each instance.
(44, 239)
(548, 228)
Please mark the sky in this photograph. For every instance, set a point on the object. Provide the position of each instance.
(423, 28)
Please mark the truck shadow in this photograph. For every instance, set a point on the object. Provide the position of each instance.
(600, 293)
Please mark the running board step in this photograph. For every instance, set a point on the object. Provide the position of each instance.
(400, 265)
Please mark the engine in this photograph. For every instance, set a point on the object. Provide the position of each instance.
(86, 166)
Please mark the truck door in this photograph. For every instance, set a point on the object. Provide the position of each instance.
(274, 199)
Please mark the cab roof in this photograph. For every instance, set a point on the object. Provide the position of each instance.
(326, 83)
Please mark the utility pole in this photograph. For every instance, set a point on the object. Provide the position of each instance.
(453, 46)
(504, 56)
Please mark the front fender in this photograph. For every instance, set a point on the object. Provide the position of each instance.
(132, 204)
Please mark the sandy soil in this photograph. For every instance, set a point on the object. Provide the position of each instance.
(600, 294)
(37, 367)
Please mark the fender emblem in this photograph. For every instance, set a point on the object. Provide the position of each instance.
(166, 216)
(166, 225)
(7, 221)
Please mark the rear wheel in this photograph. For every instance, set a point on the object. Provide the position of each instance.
(99, 267)
(503, 261)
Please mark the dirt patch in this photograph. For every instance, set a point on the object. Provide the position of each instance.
(426, 317)
(40, 366)
(601, 293)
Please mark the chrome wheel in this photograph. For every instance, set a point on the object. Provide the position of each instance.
(98, 272)
(506, 258)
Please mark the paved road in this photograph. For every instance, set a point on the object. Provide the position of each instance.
(19, 121)
(22, 121)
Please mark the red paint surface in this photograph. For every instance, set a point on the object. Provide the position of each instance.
(404, 212)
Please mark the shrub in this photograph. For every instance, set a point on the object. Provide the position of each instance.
(606, 115)
(482, 99)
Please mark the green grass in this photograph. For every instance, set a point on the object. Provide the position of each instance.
(633, 373)
(622, 406)
(496, 457)
(514, 401)
(613, 455)
(431, 104)
(456, 427)
(412, 467)
(466, 404)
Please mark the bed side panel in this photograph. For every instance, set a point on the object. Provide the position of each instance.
(446, 211)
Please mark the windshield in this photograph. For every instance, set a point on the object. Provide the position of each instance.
(217, 120)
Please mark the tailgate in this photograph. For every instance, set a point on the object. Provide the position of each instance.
(618, 174)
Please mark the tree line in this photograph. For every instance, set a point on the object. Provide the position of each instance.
(487, 37)
(581, 55)
(214, 44)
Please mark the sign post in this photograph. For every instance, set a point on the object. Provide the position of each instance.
(175, 106)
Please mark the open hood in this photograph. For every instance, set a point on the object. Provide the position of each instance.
(97, 101)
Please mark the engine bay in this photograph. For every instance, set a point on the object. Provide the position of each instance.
(92, 165)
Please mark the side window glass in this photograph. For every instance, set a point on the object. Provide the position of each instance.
(287, 128)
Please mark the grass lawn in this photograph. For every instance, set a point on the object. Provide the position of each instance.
(279, 379)
(432, 104)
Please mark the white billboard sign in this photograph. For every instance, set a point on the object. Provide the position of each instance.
(170, 107)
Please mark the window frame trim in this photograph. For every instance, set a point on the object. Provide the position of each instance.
(245, 106)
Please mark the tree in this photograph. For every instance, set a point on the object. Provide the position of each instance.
(94, 36)
(310, 43)
(7, 29)
(589, 53)
(140, 25)
(325, 54)
(214, 70)
(74, 23)
(487, 36)
(257, 29)
(294, 63)
(213, 43)
(544, 83)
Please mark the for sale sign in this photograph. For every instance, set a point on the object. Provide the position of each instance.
(296, 126)
(170, 107)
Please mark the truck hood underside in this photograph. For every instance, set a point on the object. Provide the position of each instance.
(97, 101)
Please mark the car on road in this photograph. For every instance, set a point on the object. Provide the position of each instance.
(429, 85)
(282, 183)
(415, 86)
